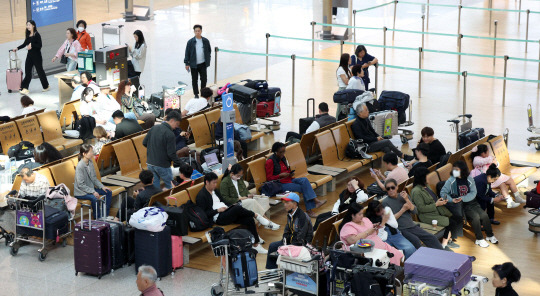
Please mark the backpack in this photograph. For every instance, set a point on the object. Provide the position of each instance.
(85, 126)
(198, 221)
(21, 151)
(256, 84)
(444, 159)
(240, 240)
(216, 234)
(242, 132)
(357, 149)
(395, 100)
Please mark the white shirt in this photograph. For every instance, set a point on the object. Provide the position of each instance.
(361, 196)
(340, 72)
(29, 109)
(356, 83)
(392, 222)
(195, 105)
(235, 183)
(87, 109)
(77, 93)
(216, 204)
(37, 188)
(313, 127)
(199, 51)
(138, 57)
(107, 105)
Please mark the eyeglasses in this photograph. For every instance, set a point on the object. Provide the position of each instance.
(390, 188)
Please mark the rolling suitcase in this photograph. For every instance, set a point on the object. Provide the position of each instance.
(269, 94)
(118, 254)
(177, 218)
(532, 199)
(247, 112)
(304, 123)
(244, 269)
(468, 137)
(129, 244)
(154, 249)
(423, 289)
(243, 94)
(395, 100)
(266, 109)
(177, 252)
(91, 246)
(385, 123)
(439, 268)
(14, 74)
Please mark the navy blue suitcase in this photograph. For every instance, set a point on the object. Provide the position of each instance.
(154, 249)
(244, 269)
(269, 94)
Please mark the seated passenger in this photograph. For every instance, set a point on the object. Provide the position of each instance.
(430, 208)
(481, 162)
(107, 104)
(363, 129)
(88, 102)
(362, 58)
(87, 186)
(132, 106)
(33, 184)
(395, 172)
(460, 189)
(356, 81)
(402, 208)
(211, 202)
(298, 231)
(141, 198)
(28, 105)
(125, 126)
(355, 227)
(86, 79)
(77, 88)
(197, 104)
(277, 168)
(389, 232)
(321, 120)
(102, 138)
(185, 173)
(421, 152)
(484, 195)
(234, 191)
(436, 149)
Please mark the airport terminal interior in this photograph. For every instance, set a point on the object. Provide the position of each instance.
(451, 57)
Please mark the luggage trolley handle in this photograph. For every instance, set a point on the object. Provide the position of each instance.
(89, 217)
(312, 100)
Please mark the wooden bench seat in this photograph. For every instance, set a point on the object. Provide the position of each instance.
(127, 159)
(70, 112)
(329, 153)
(200, 131)
(500, 151)
(9, 135)
(141, 150)
(52, 131)
(297, 162)
(30, 131)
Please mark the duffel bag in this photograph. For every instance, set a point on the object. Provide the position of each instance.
(256, 84)
(347, 96)
(150, 219)
(532, 200)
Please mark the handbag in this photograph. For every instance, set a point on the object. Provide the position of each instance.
(271, 188)
(63, 58)
(357, 149)
(150, 219)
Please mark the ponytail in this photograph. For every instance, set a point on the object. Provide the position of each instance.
(509, 271)
(493, 171)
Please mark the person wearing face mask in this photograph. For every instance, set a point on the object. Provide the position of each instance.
(460, 192)
(88, 102)
(82, 36)
(298, 230)
(503, 276)
(69, 50)
(233, 189)
(485, 196)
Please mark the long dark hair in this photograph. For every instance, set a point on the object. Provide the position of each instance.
(371, 212)
(463, 168)
(344, 63)
(347, 193)
(420, 176)
(85, 148)
(140, 38)
(86, 91)
(479, 150)
(27, 33)
(46, 153)
(493, 171)
(354, 209)
(235, 169)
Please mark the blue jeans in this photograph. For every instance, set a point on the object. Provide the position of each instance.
(399, 242)
(160, 173)
(302, 185)
(271, 262)
(95, 207)
(130, 115)
(71, 65)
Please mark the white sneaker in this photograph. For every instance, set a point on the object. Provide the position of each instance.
(262, 220)
(261, 241)
(482, 243)
(492, 239)
(511, 204)
(260, 249)
(518, 198)
(273, 226)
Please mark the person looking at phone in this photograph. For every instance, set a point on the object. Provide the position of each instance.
(403, 208)
(355, 227)
(460, 191)
(390, 162)
(182, 137)
(277, 169)
(132, 106)
(421, 152)
(430, 207)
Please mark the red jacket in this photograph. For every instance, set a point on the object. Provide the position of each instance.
(85, 40)
(269, 166)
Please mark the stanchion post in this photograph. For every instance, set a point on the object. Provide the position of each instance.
(394, 23)
(459, 19)
(504, 81)
(538, 86)
(354, 25)
(267, 38)
(341, 42)
(495, 41)
(519, 12)
(490, 6)
(527, 30)
(464, 74)
(423, 22)
(312, 43)
(11, 14)
(427, 17)
(376, 78)
(384, 48)
(420, 72)
(215, 66)
(459, 40)
(293, 57)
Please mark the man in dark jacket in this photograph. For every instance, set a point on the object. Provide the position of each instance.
(141, 198)
(125, 126)
(362, 129)
(197, 59)
(298, 230)
(486, 197)
(160, 144)
(209, 199)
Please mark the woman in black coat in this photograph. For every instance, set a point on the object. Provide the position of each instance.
(33, 44)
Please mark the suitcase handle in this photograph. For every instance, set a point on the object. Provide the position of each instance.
(169, 198)
(312, 106)
(89, 217)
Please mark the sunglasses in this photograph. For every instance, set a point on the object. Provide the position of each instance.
(391, 188)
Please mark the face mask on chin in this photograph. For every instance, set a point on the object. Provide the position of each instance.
(456, 173)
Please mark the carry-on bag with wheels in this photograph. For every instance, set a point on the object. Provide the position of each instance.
(439, 268)
(92, 246)
(385, 123)
(266, 109)
(177, 252)
(468, 137)
(118, 254)
(154, 249)
(248, 112)
(347, 96)
(243, 94)
(14, 74)
(244, 269)
(395, 100)
(475, 287)
(304, 123)
(269, 94)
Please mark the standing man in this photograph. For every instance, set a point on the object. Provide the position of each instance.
(161, 149)
(197, 58)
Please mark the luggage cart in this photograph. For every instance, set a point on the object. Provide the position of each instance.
(300, 275)
(459, 125)
(32, 219)
(225, 286)
(111, 34)
(405, 134)
(532, 129)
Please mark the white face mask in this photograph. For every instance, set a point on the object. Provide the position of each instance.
(80, 29)
(235, 178)
(456, 173)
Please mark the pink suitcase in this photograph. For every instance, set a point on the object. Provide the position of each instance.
(14, 79)
(177, 252)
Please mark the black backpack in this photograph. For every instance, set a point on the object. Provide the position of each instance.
(21, 151)
(356, 149)
(198, 221)
(444, 159)
(177, 219)
(240, 240)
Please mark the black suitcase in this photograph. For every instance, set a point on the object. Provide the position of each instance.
(243, 94)
(304, 123)
(468, 137)
(56, 224)
(154, 249)
(178, 220)
(118, 256)
(269, 94)
(129, 244)
(347, 96)
(156, 103)
(248, 112)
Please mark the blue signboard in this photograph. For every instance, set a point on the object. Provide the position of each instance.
(230, 140)
(50, 12)
(227, 102)
(302, 282)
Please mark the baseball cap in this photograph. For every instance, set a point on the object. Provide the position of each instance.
(292, 197)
